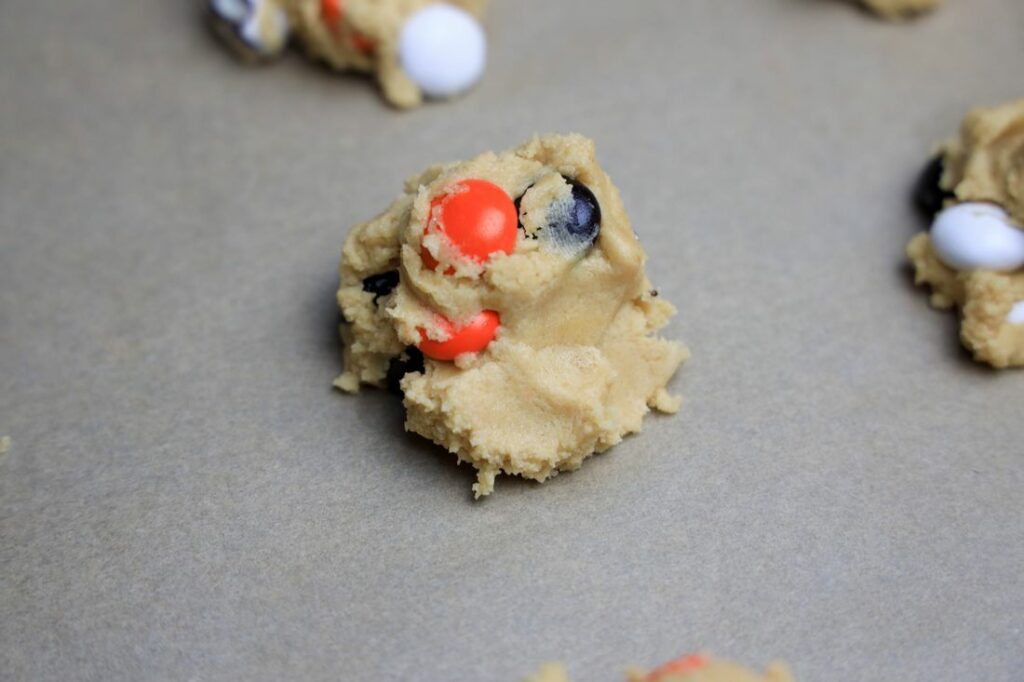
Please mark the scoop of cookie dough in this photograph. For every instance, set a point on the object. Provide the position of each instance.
(900, 9)
(692, 668)
(973, 257)
(506, 297)
(416, 48)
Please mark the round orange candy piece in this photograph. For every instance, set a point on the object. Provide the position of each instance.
(678, 666)
(363, 43)
(477, 217)
(331, 12)
(471, 338)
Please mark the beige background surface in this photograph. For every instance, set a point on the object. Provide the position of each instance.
(186, 498)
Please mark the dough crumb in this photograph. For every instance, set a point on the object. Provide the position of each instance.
(5, 444)
(347, 382)
(666, 402)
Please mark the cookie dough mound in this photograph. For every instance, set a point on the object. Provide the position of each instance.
(693, 668)
(900, 9)
(972, 258)
(416, 48)
(573, 364)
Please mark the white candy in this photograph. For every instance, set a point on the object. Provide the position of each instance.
(246, 17)
(230, 10)
(972, 236)
(1016, 315)
(442, 49)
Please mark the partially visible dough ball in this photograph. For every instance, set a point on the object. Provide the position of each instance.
(900, 9)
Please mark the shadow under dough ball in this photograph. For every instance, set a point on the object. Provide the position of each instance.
(929, 196)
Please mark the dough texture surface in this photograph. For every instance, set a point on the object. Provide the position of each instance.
(985, 163)
(346, 35)
(900, 9)
(575, 364)
(709, 670)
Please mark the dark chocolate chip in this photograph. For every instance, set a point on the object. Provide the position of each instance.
(381, 285)
(929, 197)
(583, 222)
(410, 361)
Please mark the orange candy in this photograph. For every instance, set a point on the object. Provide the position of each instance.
(680, 665)
(332, 12)
(471, 338)
(363, 43)
(477, 217)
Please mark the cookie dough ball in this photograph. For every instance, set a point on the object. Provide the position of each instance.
(900, 9)
(416, 48)
(506, 297)
(701, 668)
(973, 256)
(692, 668)
(549, 672)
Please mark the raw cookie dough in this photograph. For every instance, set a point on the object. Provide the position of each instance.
(900, 9)
(692, 668)
(416, 48)
(574, 365)
(973, 258)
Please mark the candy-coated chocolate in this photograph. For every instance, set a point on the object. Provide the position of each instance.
(576, 227)
(410, 361)
(680, 665)
(382, 284)
(330, 10)
(1016, 315)
(977, 235)
(470, 338)
(443, 50)
(477, 217)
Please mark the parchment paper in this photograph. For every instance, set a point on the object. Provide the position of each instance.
(185, 498)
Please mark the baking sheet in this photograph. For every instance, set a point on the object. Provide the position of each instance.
(185, 497)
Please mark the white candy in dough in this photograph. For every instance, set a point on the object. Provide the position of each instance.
(1016, 315)
(443, 50)
(258, 28)
(230, 10)
(974, 235)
